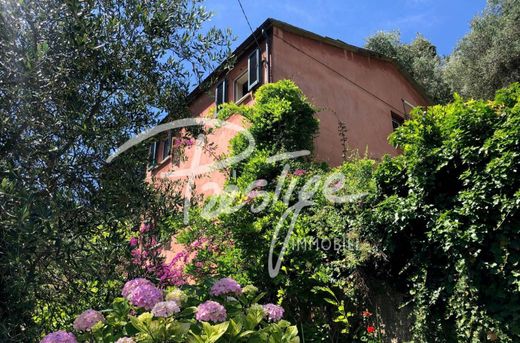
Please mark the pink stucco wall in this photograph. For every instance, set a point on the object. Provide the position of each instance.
(345, 85)
(203, 106)
(359, 90)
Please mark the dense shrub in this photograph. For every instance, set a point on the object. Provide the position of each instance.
(147, 313)
(445, 214)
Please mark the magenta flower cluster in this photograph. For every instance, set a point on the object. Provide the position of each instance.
(86, 320)
(142, 293)
(180, 142)
(273, 312)
(165, 309)
(299, 172)
(226, 286)
(211, 311)
(59, 337)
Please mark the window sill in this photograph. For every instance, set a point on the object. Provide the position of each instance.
(244, 98)
(164, 161)
(159, 164)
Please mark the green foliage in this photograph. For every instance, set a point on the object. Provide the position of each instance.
(418, 58)
(281, 120)
(245, 322)
(486, 59)
(77, 79)
(446, 216)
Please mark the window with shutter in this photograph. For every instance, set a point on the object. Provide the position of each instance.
(253, 66)
(220, 93)
(152, 157)
(167, 146)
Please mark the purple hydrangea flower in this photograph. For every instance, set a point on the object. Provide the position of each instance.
(125, 340)
(165, 309)
(87, 320)
(273, 312)
(145, 296)
(225, 286)
(59, 337)
(133, 284)
(211, 311)
(133, 241)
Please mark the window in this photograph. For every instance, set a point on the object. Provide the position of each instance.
(241, 87)
(167, 146)
(253, 67)
(397, 121)
(220, 93)
(152, 157)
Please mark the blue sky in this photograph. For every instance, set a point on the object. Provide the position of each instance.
(443, 22)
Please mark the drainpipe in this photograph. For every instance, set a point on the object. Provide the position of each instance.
(267, 54)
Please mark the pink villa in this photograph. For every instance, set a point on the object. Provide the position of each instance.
(363, 90)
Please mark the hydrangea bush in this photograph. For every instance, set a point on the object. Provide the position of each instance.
(224, 312)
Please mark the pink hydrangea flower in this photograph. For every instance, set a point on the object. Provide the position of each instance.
(145, 296)
(299, 172)
(165, 309)
(211, 311)
(126, 340)
(86, 320)
(133, 284)
(133, 241)
(225, 286)
(59, 337)
(273, 312)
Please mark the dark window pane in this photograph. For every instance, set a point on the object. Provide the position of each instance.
(253, 69)
(397, 120)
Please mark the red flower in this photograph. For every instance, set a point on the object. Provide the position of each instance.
(371, 329)
(366, 314)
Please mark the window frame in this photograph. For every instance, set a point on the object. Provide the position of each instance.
(396, 118)
(152, 157)
(167, 146)
(235, 87)
(223, 84)
(251, 85)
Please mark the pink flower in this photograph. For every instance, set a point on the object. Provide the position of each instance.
(225, 286)
(145, 296)
(165, 309)
(86, 320)
(59, 337)
(133, 241)
(133, 284)
(125, 340)
(299, 172)
(273, 312)
(211, 311)
(145, 227)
